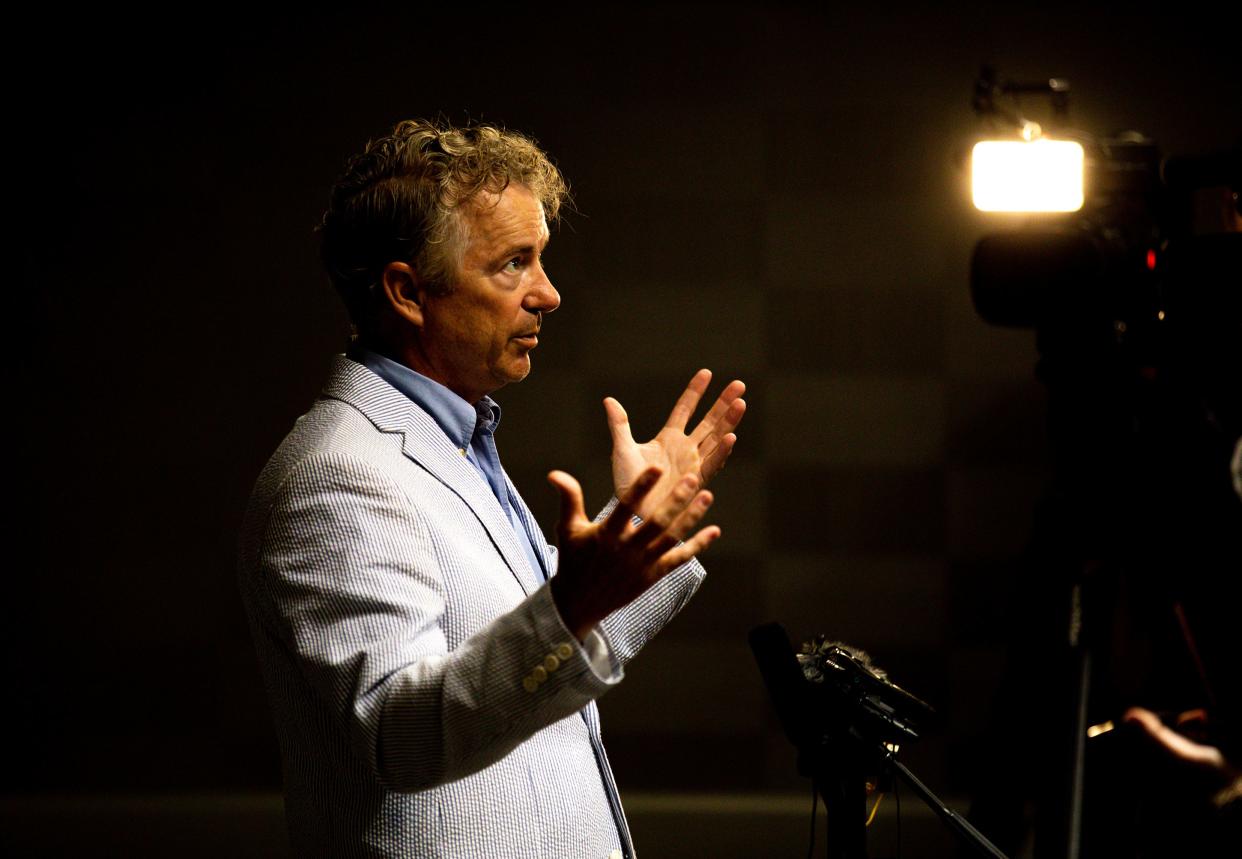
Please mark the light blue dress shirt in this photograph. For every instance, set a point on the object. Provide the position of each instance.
(471, 429)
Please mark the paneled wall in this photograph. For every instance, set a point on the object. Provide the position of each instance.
(778, 195)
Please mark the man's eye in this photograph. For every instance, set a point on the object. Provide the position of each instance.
(513, 265)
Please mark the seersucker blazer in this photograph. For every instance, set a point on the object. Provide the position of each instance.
(427, 698)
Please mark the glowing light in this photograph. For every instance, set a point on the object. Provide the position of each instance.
(1040, 176)
(1102, 728)
(1151, 260)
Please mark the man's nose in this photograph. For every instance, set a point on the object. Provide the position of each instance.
(543, 295)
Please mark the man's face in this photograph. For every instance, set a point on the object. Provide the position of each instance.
(478, 337)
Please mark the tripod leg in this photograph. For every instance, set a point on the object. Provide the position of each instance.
(845, 801)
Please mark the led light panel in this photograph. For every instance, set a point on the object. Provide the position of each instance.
(1040, 176)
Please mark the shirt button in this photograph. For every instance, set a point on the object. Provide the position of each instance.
(551, 662)
(539, 674)
(564, 651)
(530, 684)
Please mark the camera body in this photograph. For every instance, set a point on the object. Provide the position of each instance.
(1155, 236)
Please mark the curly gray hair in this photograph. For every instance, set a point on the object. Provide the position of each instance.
(400, 200)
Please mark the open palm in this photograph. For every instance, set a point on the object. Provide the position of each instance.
(701, 452)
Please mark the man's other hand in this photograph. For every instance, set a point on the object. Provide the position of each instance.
(606, 565)
(702, 452)
(1176, 743)
(1218, 773)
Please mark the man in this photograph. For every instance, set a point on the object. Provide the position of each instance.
(431, 662)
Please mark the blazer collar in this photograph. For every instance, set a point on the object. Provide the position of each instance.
(425, 443)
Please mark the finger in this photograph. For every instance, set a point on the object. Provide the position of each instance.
(618, 422)
(630, 501)
(734, 414)
(573, 508)
(690, 517)
(1145, 719)
(1191, 717)
(685, 522)
(668, 509)
(725, 414)
(678, 555)
(1188, 750)
(688, 401)
(1173, 742)
(715, 458)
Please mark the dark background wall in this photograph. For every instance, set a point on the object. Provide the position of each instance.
(777, 194)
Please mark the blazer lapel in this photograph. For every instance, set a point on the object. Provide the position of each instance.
(533, 532)
(427, 445)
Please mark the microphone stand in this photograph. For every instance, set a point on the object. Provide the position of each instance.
(838, 770)
(960, 827)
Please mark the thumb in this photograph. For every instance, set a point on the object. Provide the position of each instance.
(618, 422)
(573, 509)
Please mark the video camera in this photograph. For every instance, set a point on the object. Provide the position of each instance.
(1155, 238)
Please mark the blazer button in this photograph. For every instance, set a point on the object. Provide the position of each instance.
(551, 663)
(539, 674)
(529, 684)
(564, 651)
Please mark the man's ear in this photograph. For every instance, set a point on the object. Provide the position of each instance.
(403, 292)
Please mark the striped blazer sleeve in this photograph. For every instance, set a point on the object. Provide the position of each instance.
(630, 627)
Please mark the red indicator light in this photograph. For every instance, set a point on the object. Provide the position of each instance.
(1151, 260)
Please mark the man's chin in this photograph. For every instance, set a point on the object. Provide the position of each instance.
(514, 371)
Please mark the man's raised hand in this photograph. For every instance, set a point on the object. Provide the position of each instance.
(606, 565)
(702, 452)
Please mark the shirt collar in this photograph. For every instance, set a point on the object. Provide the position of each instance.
(457, 418)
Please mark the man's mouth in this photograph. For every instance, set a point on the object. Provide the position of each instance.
(528, 339)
